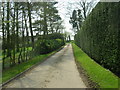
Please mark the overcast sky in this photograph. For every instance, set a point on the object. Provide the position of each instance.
(65, 8)
(65, 13)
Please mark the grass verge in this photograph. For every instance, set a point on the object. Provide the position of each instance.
(103, 77)
(13, 71)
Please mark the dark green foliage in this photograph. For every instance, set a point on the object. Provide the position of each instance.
(46, 46)
(76, 20)
(55, 36)
(98, 36)
(49, 43)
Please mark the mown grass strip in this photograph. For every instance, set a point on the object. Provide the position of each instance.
(13, 71)
(103, 77)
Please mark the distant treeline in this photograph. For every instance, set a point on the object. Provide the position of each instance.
(99, 36)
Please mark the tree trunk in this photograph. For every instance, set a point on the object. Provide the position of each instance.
(17, 27)
(27, 37)
(45, 20)
(3, 42)
(84, 10)
(30, 22)
(13, 36)
(8, 31)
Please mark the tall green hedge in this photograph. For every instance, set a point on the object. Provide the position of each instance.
(99, 35)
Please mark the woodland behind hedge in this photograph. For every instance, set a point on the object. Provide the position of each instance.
(99, 35)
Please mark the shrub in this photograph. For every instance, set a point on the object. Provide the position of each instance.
(46, 46)
(56, 36)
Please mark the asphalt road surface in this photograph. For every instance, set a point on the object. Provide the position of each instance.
(58, 71)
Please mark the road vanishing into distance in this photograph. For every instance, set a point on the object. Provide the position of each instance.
(58, 71)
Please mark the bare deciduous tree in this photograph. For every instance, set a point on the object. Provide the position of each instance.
(86, 6)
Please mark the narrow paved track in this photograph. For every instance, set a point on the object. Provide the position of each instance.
(58, 71)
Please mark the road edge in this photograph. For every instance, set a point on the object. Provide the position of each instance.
(83, 74)
(29, 69)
